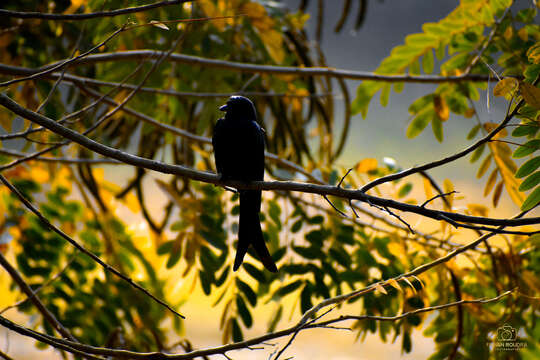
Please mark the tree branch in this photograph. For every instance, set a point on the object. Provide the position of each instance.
(256, 185)
(81, 248)
(446, 160)
(271, 69)
(32, 296)
(70, 17)
(71, 346)
(24, 71)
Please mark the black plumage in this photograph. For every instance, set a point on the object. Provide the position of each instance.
(239, 153)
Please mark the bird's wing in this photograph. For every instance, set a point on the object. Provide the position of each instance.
(218, 138)
(259, 150)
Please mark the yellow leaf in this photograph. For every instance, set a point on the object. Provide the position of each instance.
(39, 175)
(505, 87)
(522, 33)
(253, 10)
(410, 284)
(491, 181)
(132, 203)
(159, 25)
(427, 189)
(478, 210)
(394, 284)
(5, 120)
(380, 288)
(531, 94)
(366, 165)
(441, 108)
(469, 113)
(508, 33)
(497, 193)
(534, 53)
(484, 167)
(489, 126)
(274, 44)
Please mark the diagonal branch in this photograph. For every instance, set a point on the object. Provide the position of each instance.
(66, 62)
(446, 160)
(32, 296)
(417, 271)
(81, 248)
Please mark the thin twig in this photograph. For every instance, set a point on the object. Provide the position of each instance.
(335, 208)
(438, 196)
(48, 16)
(274, 69)
(344, 176)
(417, 271)
(41, 287)
(32, 296)
(67, 62)
(18, 70)
(71, 346)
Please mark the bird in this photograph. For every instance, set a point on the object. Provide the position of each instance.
(239, 143)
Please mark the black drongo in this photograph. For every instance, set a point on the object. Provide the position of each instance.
(239, 152)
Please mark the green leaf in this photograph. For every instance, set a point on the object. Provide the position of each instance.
(236, 331)
(254, 272)
(405, 190)
(311, 252)
(289, 288)
(428, 62)
(248, 293)
(532, 200)
(165, 248)
(477, 153)
(414, 68)
(175, 253)
(419, 123)
(525, 130)
(526, 149)
(317, 219)
(274, 211)
(421, 103)
(437, 127)
(385, 94)
(243, 311)
(305, 298)
(364, 93)
(297, 225)
(530, 182)
(527, 168)
(472, 134)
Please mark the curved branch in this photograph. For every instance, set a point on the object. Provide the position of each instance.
(270, 69)
(258, 185)
(49, 16)
(72, 346)
(446, 160)
(24, 71)
(417, 271)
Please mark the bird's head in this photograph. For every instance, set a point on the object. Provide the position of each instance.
(239, 108)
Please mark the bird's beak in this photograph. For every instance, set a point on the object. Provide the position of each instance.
(223, 107)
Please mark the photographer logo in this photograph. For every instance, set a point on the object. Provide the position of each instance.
(507, 339)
